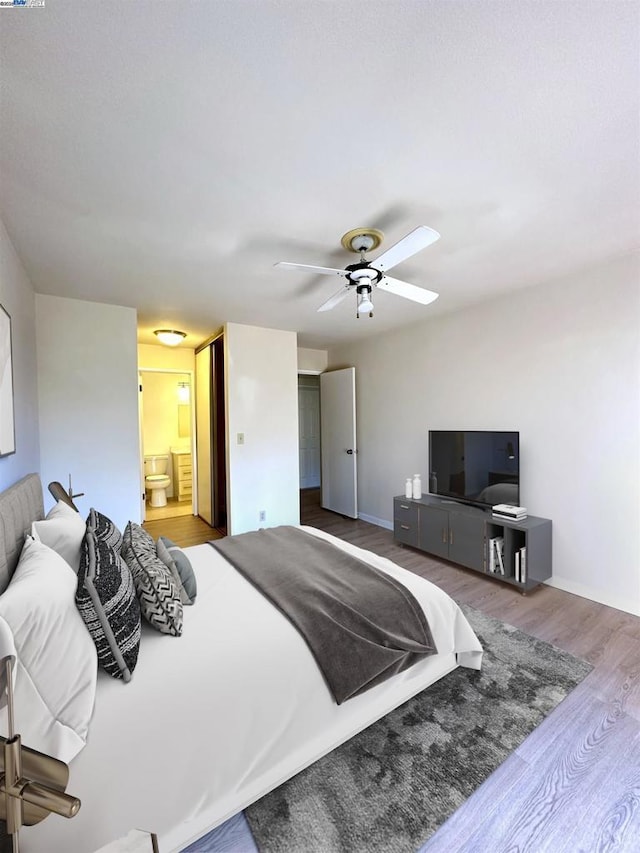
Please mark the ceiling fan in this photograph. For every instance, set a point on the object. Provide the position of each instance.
(364, 276)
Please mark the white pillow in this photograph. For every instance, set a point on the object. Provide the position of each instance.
(56, 667)
(63, 530)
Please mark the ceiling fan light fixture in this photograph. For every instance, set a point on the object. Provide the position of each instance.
(362, 239)
(365, 303)
(170, 337)
(364, 275)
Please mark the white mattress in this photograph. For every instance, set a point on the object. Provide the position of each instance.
(216, 718)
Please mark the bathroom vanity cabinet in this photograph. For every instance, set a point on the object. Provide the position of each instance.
(182, 474)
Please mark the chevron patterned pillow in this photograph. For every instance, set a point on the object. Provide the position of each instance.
(180, 567)
(157, 592)
(106, 599)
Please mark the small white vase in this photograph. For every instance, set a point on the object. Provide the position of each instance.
(416, 487)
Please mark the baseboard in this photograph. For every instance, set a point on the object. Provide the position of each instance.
(379, 522)
(595, 595)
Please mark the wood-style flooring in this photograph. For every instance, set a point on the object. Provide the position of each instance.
(172, 509)
(184, 530)
(574, 784)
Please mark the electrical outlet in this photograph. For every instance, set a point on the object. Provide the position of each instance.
(240, 438)
(263, 515)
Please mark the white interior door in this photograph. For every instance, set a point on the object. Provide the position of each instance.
(309, 435)
(338, 441)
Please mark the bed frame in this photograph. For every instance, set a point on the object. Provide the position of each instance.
(20, 505)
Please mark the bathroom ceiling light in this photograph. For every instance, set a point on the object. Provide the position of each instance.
(170, 337)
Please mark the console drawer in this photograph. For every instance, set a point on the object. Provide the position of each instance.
(406, 531)
(406, 511)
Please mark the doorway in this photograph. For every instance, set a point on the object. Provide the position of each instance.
(338, 435)
(309, 430)
(166, 431)
(327, 440)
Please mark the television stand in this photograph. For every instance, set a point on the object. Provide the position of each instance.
(470, 536)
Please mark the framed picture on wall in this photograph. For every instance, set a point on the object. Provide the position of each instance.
(7, 421)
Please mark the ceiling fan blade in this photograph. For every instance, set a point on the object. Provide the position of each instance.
(308, 268)
(415, 241)
(336, 298)
(409, 291)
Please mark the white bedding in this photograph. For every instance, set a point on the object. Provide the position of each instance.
(214, 719)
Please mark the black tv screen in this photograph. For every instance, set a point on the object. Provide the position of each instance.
(475, 466)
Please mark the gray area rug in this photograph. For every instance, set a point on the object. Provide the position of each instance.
(390, 787)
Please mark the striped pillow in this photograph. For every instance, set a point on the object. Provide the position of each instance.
(158, 595)
(105, 529)
(107, 602)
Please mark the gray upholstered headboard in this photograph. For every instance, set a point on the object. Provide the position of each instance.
(20, 504)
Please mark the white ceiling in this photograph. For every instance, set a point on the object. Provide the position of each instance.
(164, 155)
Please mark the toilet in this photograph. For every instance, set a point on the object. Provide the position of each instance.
(156, 480)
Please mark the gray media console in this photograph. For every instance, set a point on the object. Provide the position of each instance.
(469, 536)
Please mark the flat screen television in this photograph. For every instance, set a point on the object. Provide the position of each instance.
(479, 467)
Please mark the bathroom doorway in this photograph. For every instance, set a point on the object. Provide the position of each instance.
(166, 443)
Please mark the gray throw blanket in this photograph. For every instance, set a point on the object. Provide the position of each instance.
(361, 625)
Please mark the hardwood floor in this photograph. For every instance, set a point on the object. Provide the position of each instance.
(574, 784)
(184, 530)
(173, 509)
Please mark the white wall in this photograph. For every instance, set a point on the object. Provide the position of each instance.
(561, 364)
(18, 299)
(160, 427)
(312, 360)
(88, 401)
(166, 358)
(262, 403)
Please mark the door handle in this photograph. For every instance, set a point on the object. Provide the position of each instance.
(350, 451)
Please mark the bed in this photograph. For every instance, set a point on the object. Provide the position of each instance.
(217, 717)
